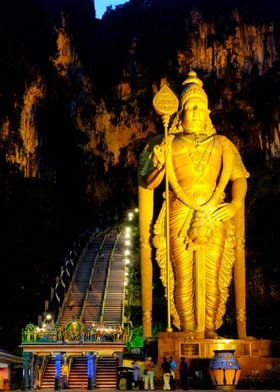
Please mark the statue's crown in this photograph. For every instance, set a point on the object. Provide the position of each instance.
(193, 88)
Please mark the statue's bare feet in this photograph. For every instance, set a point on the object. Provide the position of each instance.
(199, 335)
(189, 334)
(211, 334)
(250, 338)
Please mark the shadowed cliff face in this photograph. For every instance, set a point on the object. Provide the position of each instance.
(76, 110)
(233, 61)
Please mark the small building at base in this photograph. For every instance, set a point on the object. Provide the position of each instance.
(7, 363)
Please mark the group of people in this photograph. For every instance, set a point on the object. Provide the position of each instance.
(168, 367)
(149, 374)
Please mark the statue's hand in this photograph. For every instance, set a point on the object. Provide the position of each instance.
(159, 156)
(226, 211)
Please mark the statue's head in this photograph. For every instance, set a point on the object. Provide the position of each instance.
(193, 111)
(193, 89)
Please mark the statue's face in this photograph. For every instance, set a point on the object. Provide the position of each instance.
(194, 115)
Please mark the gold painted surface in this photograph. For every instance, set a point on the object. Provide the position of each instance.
(206, 225)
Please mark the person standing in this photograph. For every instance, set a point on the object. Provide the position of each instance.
(136, 375)
(149, 374)
(64, 371)
(184, 374)
(166, 368)
(172, 373)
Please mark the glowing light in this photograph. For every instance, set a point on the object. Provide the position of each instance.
(127, 242)
(90, 365)
(57, 364)
(127, 252)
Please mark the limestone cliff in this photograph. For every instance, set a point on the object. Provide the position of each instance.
(114, 123)
(244, 48)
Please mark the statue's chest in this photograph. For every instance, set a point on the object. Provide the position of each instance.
(196, 156)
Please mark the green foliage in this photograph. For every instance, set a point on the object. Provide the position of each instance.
(137, 338)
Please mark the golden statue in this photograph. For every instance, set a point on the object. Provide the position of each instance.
(199, 233)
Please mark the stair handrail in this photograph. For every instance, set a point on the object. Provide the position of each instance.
(69, 290)
(107, 279)
(36, 373)
(123, 306)
(90, 280)
(42, 370)
(71, 359)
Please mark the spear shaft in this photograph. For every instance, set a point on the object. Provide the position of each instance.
(166, 103)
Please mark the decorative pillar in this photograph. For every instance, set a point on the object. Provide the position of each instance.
(57, 378)
(26, 370)
(145, 201)
(31, 371)
(239, 275)
(91, 368)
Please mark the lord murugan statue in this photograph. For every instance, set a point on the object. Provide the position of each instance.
(198, 235)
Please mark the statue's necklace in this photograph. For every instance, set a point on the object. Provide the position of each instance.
(199, 149)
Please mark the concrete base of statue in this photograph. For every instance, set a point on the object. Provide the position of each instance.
(253, 355)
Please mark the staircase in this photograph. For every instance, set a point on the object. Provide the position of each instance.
(97, 294)
(78, 374)
(96, 298)
(49, 375)
(93, 306)
(106, 372)
(114, 296)
(81, 282)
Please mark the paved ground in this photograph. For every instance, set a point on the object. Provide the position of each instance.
(160, 390)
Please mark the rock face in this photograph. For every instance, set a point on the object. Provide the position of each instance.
(245, 48)
(228, 55)
(26, 155)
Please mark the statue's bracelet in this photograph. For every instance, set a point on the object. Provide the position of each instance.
(159, 167)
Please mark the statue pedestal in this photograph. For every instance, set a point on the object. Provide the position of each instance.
(253, 356)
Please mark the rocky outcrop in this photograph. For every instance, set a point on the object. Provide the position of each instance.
(246, 47)
(24, 153)
(113, 125)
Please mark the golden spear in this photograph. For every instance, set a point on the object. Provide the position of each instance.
(165, 104)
